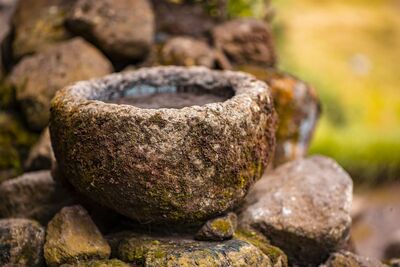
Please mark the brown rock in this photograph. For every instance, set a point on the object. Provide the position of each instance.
(73, 237)
(6, 10)
(218, 229)
(124, 29)
(37, 78)
(21, 243)
(38, 24)
(33, 195)
(41, 155)
(164, 165)
(348, 259)
(245, 41)
(186, 51)
(303, 207)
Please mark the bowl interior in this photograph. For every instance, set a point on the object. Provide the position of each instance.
(171, 96)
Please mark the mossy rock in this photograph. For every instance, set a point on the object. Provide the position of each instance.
(218, 229)
(15, 142)
(99, 263)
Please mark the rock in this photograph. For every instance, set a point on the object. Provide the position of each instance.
(41, 155)
(394, 263)
(21, 243)
(298, 108)
(348, 259)
(33, 195)
(73, 237)
(99, 263)
(276, 255)
(303, 207)
(245, 41)
(15, 142)
(181, 19)
(38, 24)
(123, 29)
(164, 165)
(186, 51)
(151, 251)
(6, 10)
(38, 77)
(218, 229)
(392, 249)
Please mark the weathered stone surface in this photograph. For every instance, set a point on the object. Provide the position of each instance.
(15, 142)
(38, 77)
(38, 24)
(298, 108)
(218, 229)
(303, 207)
(72, 237)
(186, 51)
(181, 19)
(348, 259)
(245, 41)
(99, 263)
(150, 251)
(33, 195)
(21, 243)
(41, 155)
(164, 165)
(276, 255)
(123, 29)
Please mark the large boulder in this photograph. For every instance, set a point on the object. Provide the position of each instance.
(245, 41)
(38, 24)
(21, 243)
(33, 195)
(153, 251)
(72, 237)
(123, 29)
(303, 207)
(298, 108)
(15, 142)
(165, 165)
(37, 78)
(187, 51)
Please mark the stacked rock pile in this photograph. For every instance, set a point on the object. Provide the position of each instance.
(160, 166)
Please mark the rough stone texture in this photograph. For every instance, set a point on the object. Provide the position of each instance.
(348, 259)
(33, 195)
(303, 207)
(245, 41)
(38, 77)
(218, 229)
(164, 165)
(276, 255)
(186, 51)
(15, 142)
(150, 251)
(298, 108)
(38, 24)
(99, 263)
(73, 237)
(181, 19)
(123, 29)
(41, 155)
(21, 243)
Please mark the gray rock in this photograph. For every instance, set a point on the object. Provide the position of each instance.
(73, 237)
(124, 29)
(41, 154)
(33, 195)
(164, 165)
(38, 77)
(218, 229)
(245, 41)
(151, 251)
(38, 24)
(21, 243)
(187, 51)
(303, 207)
(348, 259)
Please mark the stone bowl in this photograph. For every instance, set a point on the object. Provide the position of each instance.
(166, 144)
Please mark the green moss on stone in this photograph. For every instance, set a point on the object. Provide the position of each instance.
(99, 263)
